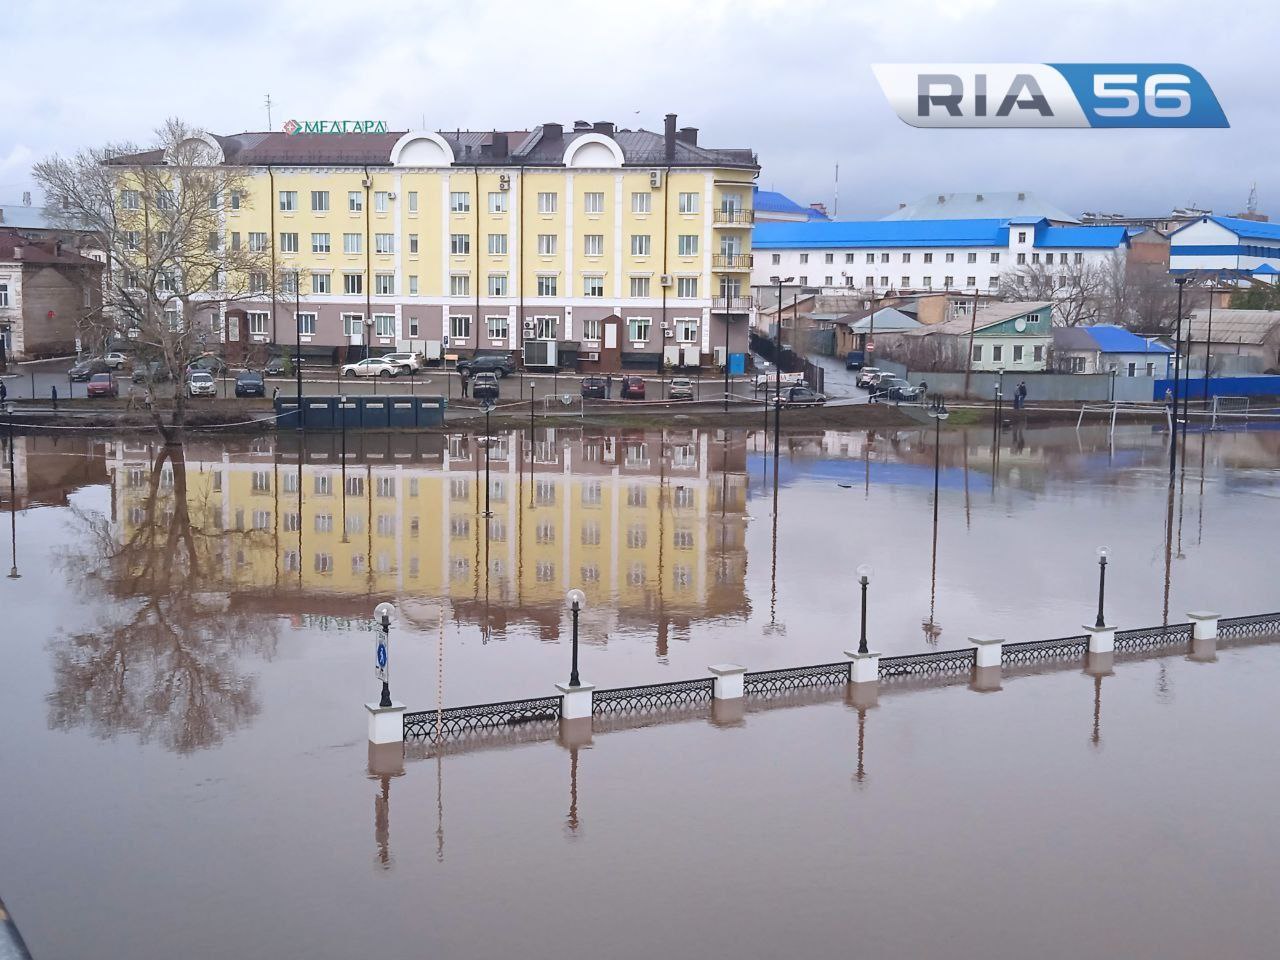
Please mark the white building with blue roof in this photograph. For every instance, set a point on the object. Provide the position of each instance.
(908, 256)
(1227, 243)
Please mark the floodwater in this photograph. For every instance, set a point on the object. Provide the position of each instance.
(183, 758)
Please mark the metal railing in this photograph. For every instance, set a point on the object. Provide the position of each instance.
(455, 720)
(1153, 638)
(937, 663)
(731, 261)
(1063, 648)
(650, 695)
(734, 217)
(1260, 625)
(772, 681)
(732, 304)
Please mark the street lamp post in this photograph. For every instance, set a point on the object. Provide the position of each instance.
(864, 578)
(382, 615)
(532, 386)
(1177, 368)
(297, 352)
(777, 363)
(1102, 584)
(577, 600)
(726, 365)
(1208, 343)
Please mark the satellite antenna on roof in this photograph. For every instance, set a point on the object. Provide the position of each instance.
(835, 201)
(267, 102)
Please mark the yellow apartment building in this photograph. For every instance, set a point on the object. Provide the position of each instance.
(581, 246)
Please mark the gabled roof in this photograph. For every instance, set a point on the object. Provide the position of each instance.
(1248, 229)
(1001, 205)
(1113, 339)
(887, 319)
(880, 233)
(770, 201)
(989, 314)
(1233, 326)
(40, 251)
(1097, 238)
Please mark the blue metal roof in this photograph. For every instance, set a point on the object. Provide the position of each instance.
(927, 233)
(1253, 229)
(881, 233)
(1112, 339)
(1102, 238)
(1266, 268)
(771, 201)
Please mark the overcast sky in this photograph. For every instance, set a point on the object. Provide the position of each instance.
(788, 78)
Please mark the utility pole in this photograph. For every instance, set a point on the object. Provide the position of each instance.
(267, 101)
(973, 323)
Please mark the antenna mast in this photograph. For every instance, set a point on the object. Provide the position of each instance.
(267, 101)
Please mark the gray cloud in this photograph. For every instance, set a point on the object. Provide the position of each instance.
(790, 79)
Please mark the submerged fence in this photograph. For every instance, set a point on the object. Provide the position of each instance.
(939, 665)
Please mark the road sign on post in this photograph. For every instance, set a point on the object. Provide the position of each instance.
(380, 656)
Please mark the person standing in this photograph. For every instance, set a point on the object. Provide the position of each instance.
(1022, 394)
(608, 386)
(53, 392)
(464, 385)
(4, 392)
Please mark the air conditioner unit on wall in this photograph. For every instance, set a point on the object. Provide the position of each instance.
(391, 196)
(504, 182)
(593, 356)
(655, 178)
(529, 328)
(665, 280)
(668, 334)
(366, 183)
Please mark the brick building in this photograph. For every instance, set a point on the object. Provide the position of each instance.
(47, 289)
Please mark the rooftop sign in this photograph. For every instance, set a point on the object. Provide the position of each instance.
(292, 127)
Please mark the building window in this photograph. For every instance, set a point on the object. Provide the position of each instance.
(1037, 352)
(413, 201)
(686, 330)
(638, 328)
(289, 283)
(1079, 258)
(4, 294)
(1035, 258)
(497, 284)
(687, 245)
(997, 353)
(1022, 258)
(928, 282)
(950, 258)
(640, 244)
(459, 202)
(973, 258)
(977, 353)
(1017, 353)
(307, 324)
(258, 323)
(320, 283)
(380, 201)
(591, 329)
(777, 259)
(686, 287)
(544, 328)
(593, 245)
(804, 258)
(460, 326)
(355, 201)
(641, 202)
(593, 202)
(547, 243)
(352, 324)
(459, 244)
(384, 284)
(639, 286)
(593, 286)
(319, 243)
(413, 321)
(871, 282)
(460, 285)
(884, 281)
(257, 282)
(995, 258)
(413, 244)
(497, 244)
(906, 282)
(352, 243)
(546, 285)
(827, 280)
(993, 282)
(352, 283)
(288, 243)
(690, 202)
(906, 258)
(547, 203)
(130, 199)
(497, 327)
(288, 200)
(384, 243)
(497, 201)
(257, 242)
(1022, 236)
(830, 257)
(319, 201)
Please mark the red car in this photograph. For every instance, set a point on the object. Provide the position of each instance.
(102, 385)
(633, 388)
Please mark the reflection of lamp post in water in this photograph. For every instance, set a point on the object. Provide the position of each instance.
(13, 501)
(938, 411)
(488, 440)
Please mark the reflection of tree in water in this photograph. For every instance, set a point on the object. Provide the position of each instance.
(164, 663)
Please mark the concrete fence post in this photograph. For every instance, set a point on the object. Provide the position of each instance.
(1101, 639)
(575, 702)
(386, 724)
(987, 660)
(728, 683)
(1204, 625)
(865, 667)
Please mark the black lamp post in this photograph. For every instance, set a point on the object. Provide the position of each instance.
(382, 614)
(577, 600)
(1177, 368)
(864, 577)
(1102, 585)
(726, 364)
(938, 411)
(297, 353)
(13, 501)
(532, 386)
(777, 364)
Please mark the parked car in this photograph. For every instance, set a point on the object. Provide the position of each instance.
(279, 366)
(904, 392)
(371, 367)
(767, 381)
(249, 383)
(116, 359)
(410, 361)
(853, 360)
(633, 388)
(681, 389)
(87, 368)
(484, 386)
(154, 371)
(866, 375)
(502, 365)
(208, 363)
(102, 385)
(801, 396)
(593, 388)
(200, 383)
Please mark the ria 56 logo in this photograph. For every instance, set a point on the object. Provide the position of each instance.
(1050, 95)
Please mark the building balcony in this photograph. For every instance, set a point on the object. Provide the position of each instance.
(732, 304)
(733, 218)
(731, 261)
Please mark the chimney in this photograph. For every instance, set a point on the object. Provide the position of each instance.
(499, 146)
(669, 138)
(1022, 196)
(552, 131)
(942, 198)
(979, 198)
(688, 135)
(902, 206)
(18, 251)
(603, 127)
(581, 126)
(26, 198)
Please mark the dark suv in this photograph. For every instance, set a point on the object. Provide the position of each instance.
(503, 365)
(593, 388)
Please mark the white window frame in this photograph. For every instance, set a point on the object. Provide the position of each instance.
(352, 244)
(384, 325)
(306, 324)
(593, 245)
(384, 284)
(690, 202)
(384, 243)
(497, 285)
(593, 285)
(459, 284)
(591, 329)
(459, 327)
(593, 202)
(320, 283)
(686, 288)
(687, 245)
(355, 201)
(497, 244)
(459, 201)
(639, 329)
(497, 326)
(321, 243)
(640, 287)
(259, 323)
(459, 244)
(353, 284)
(641, 202)
(548, 285)
(548, 201)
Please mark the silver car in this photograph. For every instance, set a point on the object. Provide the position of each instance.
(201, 384)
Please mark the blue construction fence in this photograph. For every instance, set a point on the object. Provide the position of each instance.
(1194, 387)
(361, 413)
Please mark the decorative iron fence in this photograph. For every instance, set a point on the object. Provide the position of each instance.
(772, 681)
(1153, 638)
(1031, 651)
(1261, 625)
(938, 663)
(651, 695)
(456, 720)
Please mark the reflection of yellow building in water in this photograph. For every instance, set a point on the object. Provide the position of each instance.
(649, 523)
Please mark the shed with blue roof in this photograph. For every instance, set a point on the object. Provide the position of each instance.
(1104, 348)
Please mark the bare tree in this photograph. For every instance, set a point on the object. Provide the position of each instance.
(1152, 299)
(932, 353)
(159, 215)
(163, 662)
(1076, 290)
